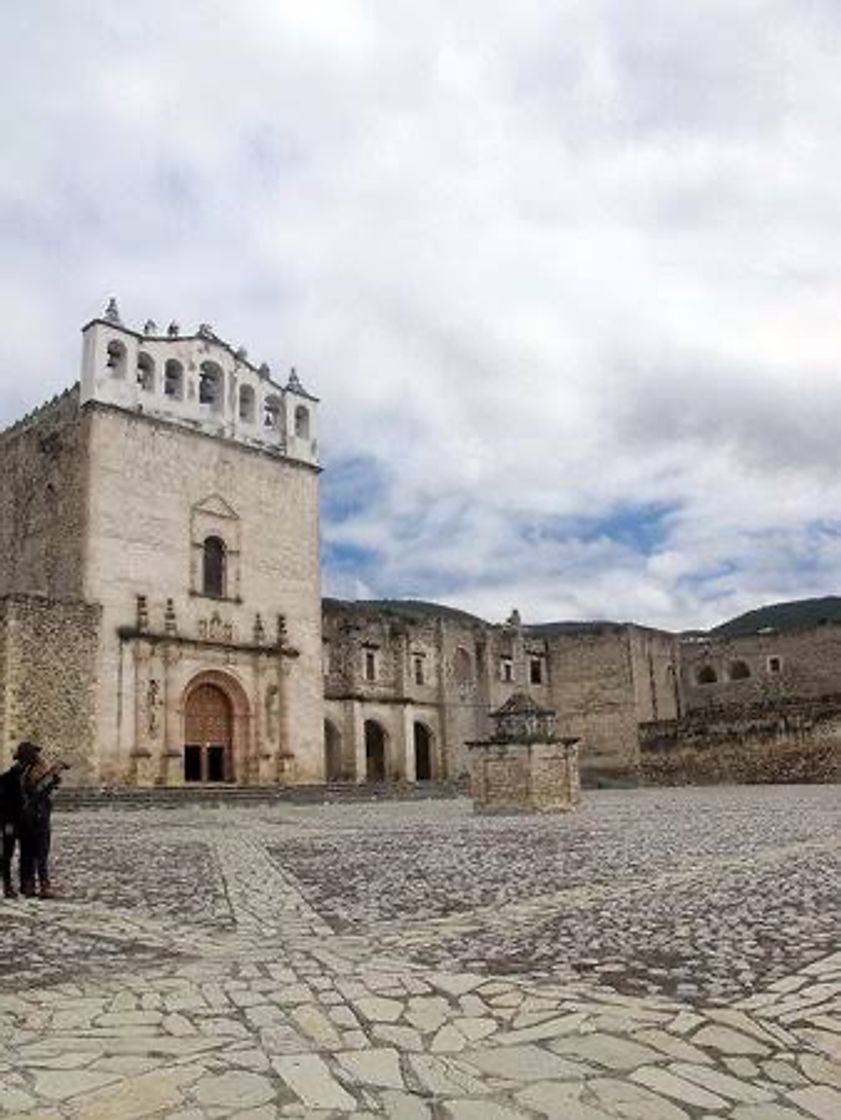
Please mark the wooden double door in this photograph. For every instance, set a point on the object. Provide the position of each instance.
(208, 736)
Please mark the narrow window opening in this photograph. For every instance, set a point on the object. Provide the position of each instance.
(418, 664)
(536, 670)
(370, 666)
(506, 670)
(213, 567)
(775, 664)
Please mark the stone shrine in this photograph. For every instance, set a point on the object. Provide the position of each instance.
(524, 766)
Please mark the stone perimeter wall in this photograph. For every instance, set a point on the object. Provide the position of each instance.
(47, 679)
(790, 741)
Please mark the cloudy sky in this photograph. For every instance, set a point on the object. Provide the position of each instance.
(566, 275)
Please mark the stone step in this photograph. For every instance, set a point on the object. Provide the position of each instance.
(102, 797)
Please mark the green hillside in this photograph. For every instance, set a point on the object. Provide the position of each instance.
(800, 614)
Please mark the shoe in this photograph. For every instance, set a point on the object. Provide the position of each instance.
(46, 890)
(27, 890)
(9, 891)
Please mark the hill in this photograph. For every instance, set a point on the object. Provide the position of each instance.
(799, 614)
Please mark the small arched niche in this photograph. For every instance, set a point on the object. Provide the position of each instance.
(707, 675)
(739, 671)
(462, 666)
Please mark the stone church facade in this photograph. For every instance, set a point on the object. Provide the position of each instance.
(161, 619)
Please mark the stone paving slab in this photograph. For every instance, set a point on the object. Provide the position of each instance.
(668, 955)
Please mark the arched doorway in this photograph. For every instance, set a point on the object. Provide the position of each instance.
(375, 759)
(423, 753)
(208, 735)
(333, 769)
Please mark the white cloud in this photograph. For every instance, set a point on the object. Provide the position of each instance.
(541, 263)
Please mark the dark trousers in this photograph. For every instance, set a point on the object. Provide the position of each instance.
(10, 839)
(35, 852)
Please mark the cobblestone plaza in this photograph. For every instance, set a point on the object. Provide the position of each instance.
(658, 955)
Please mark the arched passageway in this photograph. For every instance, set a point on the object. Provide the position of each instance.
(333, 769)
(208, 735)
(375, 753)
(424, 762)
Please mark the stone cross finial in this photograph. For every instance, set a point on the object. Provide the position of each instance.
(112, 312)
(150, 327)
(294, 381)
(173, 330)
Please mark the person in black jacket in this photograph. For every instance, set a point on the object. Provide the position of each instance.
(11, 809)
(38, 779)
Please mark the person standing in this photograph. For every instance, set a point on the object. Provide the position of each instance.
(11, 807)
(38, 780)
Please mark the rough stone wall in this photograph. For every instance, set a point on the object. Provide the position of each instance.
(42, 501)
(786, 741)
(655, 663)
(808, 665)
(593, 692)
(395, 698)
(48, 654)
(587, 676)
(151, 484)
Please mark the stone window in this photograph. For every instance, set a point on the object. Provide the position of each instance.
(174, 380)
(739, 671)
(246, 404)
(370, 665)
(116, 358)
(213, 567)
(302, 422)
(211, 382)
(506, 669)
(272, 413)
(707, 675)
(462, 666)
(775, 664)
(417, 668)
(145, 372)
(536, 670)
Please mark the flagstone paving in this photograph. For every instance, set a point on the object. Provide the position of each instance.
(659, 955)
